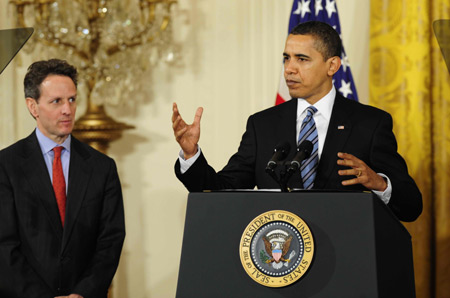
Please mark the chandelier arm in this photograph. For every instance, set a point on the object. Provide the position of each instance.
(52, 43)
(135, 41)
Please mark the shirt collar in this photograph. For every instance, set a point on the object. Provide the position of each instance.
(324, 105)
(48, 144)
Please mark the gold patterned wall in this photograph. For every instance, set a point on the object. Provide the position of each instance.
(409, 79)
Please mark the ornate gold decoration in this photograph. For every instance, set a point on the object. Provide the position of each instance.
(98, 129)
(111, 42)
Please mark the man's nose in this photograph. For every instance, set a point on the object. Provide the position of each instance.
(66, 108)
(289, 68)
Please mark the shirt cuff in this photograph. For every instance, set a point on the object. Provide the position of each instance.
(185, 164)
(385, 195)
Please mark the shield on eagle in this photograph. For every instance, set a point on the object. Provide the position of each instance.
(277, 243)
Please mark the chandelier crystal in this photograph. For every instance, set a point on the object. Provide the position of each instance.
(112, 42)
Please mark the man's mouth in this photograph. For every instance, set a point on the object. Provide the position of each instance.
(291, 82)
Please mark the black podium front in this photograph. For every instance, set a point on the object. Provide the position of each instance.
(361, 249)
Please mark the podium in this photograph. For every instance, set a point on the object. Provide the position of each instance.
(361, 249)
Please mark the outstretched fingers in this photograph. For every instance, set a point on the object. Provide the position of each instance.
(187, 135)
(198, 116)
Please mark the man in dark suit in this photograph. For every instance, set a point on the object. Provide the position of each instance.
(311, 58)
(61, 209)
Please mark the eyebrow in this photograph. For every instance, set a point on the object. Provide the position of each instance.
(297, 55)
(59, 97)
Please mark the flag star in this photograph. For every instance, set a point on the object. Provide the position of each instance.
(330, 7)
(345, 88)
(299, 8)
(345, 62)
(318, 7)
(303, 8)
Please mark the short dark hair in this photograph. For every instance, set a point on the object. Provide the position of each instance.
(38, 71)
(328, 42)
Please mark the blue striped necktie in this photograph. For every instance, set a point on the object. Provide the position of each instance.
(308, 131)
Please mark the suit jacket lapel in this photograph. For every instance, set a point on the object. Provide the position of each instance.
(287, 131)
(79, 175)
(338, 132)
(287, 128)
(34, 168)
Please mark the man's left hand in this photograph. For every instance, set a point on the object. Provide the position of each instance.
(70, 296)
(364, 175)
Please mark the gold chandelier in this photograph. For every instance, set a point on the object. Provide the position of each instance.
(113, 43)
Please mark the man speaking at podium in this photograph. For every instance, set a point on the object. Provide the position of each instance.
(354, 147)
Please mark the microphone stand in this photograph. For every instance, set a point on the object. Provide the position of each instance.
(286, 175)
(282, 181)
(303, 152)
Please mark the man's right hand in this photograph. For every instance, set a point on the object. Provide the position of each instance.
(186, 135)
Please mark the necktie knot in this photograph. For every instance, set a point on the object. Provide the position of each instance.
(57, 150)
(310, 111)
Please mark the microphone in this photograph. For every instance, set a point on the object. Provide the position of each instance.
(303, 152)
(279, 153)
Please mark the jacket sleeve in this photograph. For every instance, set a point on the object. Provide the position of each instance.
(239, 173)
(406, 199)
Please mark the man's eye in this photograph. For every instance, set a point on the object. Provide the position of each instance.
(72, 99)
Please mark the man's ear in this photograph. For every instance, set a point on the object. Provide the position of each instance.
(334, 65)
(32, 106)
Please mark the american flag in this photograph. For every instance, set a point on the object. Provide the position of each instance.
(324, 11)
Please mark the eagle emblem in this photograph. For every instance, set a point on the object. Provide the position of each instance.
(273, 251)
(277, 244)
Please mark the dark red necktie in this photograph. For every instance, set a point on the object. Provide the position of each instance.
(59, 184)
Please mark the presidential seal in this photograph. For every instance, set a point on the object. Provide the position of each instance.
(276, 248)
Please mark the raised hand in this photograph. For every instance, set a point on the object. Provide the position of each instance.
(187, 135)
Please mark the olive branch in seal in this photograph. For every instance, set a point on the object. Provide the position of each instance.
(263, 256)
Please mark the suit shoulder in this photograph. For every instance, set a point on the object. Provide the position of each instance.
(363, 110)
(13, 147)
(276, 110)
(17, 148)
(88, 151)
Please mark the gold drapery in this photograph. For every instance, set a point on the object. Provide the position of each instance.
(409, 79)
